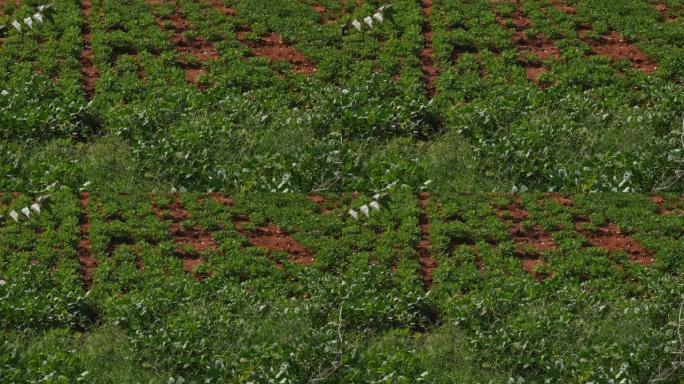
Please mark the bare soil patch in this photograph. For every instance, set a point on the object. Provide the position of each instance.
(274, 48)
(85, 257)
(223, 8)
(534, 48)
(664, 12)
(614, 46)
(194, 52)
(272, 238)
(190, 242)
(562, 200)
(427, 262)
(86, 58)
(427, 53)
(563, 7)
(611, 238)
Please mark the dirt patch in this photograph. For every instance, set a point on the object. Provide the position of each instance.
(534, 237)
(320, 9)
(321, 203)
(563, 7)
(272, 238)
(611, 238)
(664, 12)
(562, 200)
(614, 46)
(193, 52)
(427, 262)
(221, 7)
(534, 48)
(663, 208)
(86, 58)
(190, 242)
(274, 48)
(85, 257)
(427, 53)
(223, 200)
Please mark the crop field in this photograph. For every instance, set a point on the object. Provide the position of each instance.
(209, 95)
(342, 191)
(290, 288)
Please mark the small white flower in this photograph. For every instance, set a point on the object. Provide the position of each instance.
(29, 21)
(4, 92)
(369, 21)
(38, 17)
(375, 205)
(378, 16)
(35, 207)
(2, 282)
(15, 216)
(16, 25)
(364, 209)
(26, 212)
(354, 214)
(356, 25)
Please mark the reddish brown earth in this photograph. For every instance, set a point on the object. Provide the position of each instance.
(189, 241)
(320, 9)
(85, 258)
(223, 200)
(611, 238)
(562, 200)
(427, 263)
(664, 12)
(614, 46)
(427, 54)
(198, 48)
(538, 46)
(563, 7)
(535, 237)
(663, 207)
(274, 48)
(272, 238)
(321, 203)
(88, 70)
(221, 7)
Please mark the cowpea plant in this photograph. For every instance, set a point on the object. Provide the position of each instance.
(44, 12)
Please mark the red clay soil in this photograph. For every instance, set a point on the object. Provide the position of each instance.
(664, 12)
(272, 238)
(535, 237)
(427, 54)
(85, 257)
(427, 263)
(274, 48)
(199, 48)
(221, 7)
(563, 7)
(88, 70)
(614, 46)
(538, 46)
(562, 200)
(195, 238)
(320, 202)
(611, 238)
(223, 200)
(663, 208)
